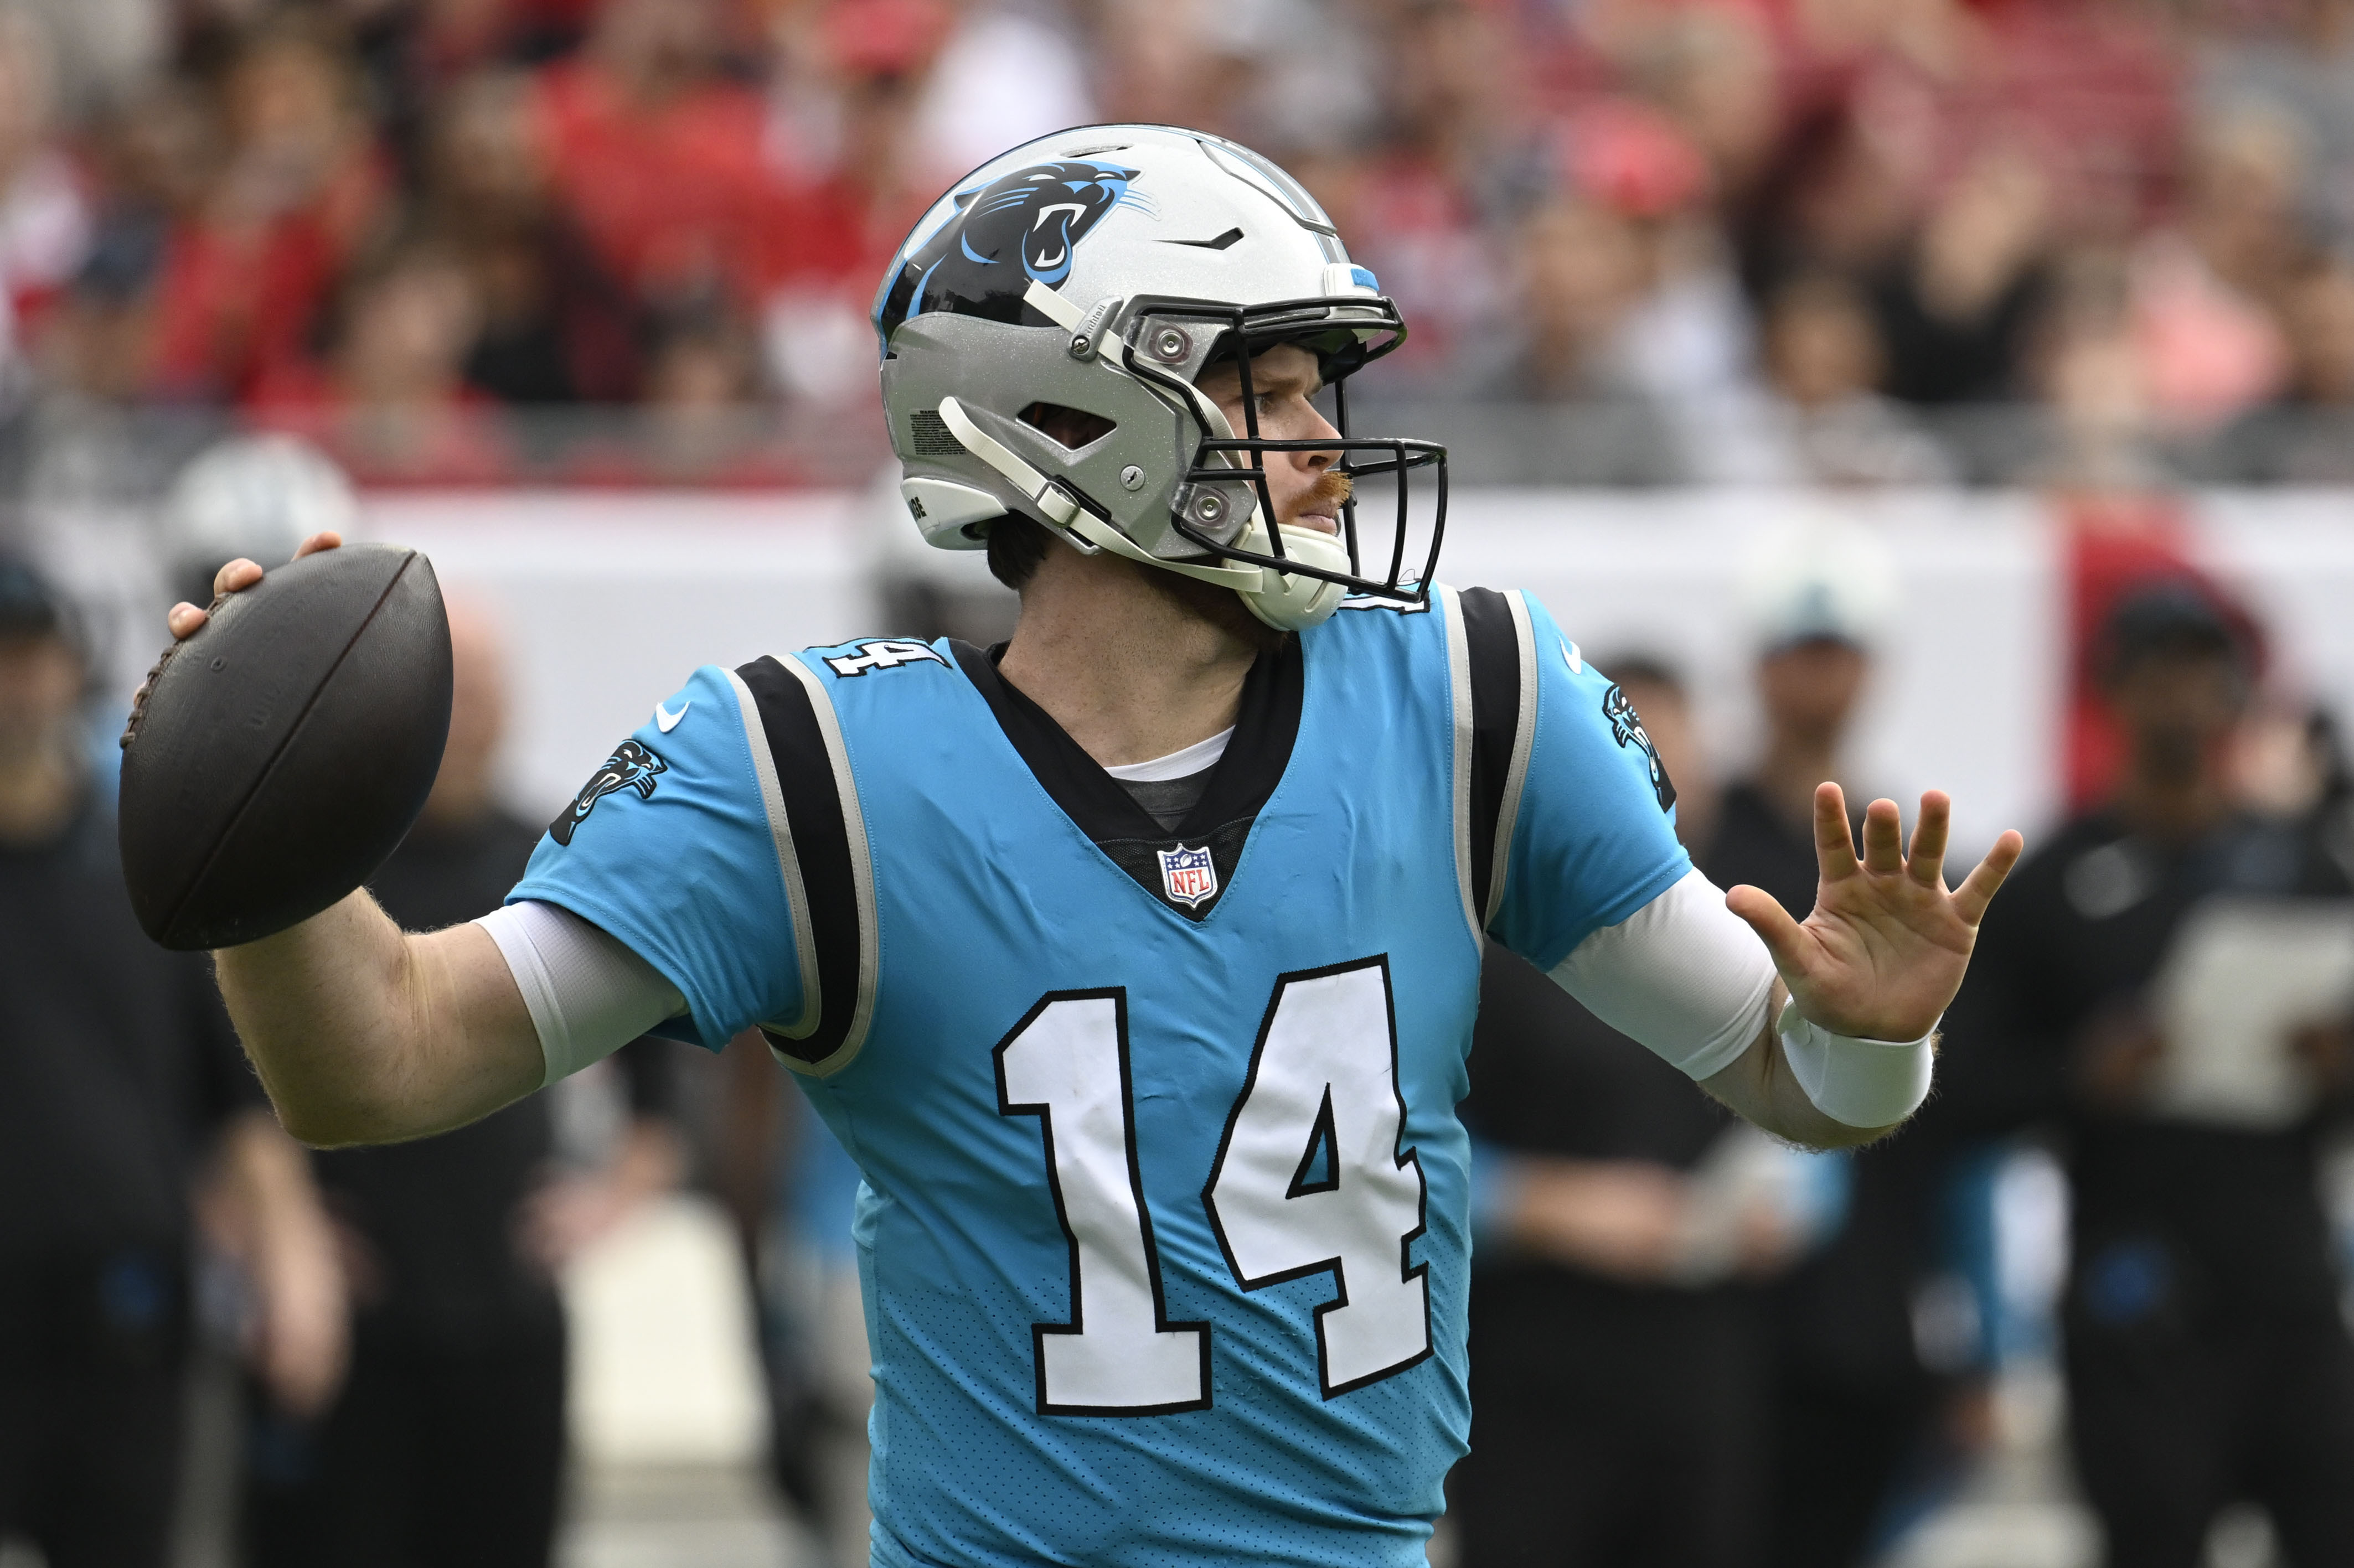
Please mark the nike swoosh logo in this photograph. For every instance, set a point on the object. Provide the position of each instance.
(667, 721)
(1220, 243)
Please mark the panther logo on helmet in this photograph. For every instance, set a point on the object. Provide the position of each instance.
(1020, 227)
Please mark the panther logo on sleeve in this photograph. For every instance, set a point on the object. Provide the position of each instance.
(632, 767)
(1626, 729)
(1018, 228)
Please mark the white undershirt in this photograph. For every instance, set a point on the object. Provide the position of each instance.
(1182, 764)
(1683, 975)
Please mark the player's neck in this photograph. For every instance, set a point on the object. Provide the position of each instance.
(1132, 663)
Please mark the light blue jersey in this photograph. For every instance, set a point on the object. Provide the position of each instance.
(1164, 1227)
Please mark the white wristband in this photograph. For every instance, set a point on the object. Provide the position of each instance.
(1862, 1083)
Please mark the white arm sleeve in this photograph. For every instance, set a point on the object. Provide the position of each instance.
(1683, 975)
(588, 995)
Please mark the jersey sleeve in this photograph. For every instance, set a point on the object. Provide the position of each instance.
(673, 848)
(1585, 831)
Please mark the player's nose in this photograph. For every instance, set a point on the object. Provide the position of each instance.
(1316, 427)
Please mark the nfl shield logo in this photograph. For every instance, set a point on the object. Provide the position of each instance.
(1189, 875)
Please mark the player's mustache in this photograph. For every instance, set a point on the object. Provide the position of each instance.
(1331, 485)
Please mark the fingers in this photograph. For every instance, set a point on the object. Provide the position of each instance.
(1970, 900)
(1834, 847)
(186, 620)
(1927, 859)
(1884, 838)
(238, 573)
(1772, 923)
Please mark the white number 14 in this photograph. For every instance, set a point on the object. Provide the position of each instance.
(1309, 1178)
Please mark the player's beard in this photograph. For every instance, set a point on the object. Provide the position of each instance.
(1222, 607)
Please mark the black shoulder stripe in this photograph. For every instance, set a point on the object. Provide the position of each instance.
(1493, 648)
(805, 777)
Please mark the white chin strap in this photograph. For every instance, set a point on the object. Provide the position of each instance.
(1289, 601)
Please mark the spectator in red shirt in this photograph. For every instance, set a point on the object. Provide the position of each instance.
(151, 164)
(558, 327)
(658, 155)
(44, 215)
(391, 402)
(847, 83)
(300, 191)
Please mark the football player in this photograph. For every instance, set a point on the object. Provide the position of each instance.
(1135, 961)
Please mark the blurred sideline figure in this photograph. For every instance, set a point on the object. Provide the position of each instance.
(118, 1070)
(793, 1191)
(445, 1444)
(1851, 1397)
(2169, 987)
(1617, 1387)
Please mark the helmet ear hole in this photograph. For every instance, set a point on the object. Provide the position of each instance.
(1070, 428)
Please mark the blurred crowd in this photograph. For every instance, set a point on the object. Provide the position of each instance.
(1744, 240)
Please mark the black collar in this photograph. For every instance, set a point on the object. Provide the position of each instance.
(1265, 729)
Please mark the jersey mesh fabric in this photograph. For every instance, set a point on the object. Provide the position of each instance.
(990, 903)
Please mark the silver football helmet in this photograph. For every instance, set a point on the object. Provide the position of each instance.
(1103, 270)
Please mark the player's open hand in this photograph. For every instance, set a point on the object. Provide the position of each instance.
(1884, 950)
(186, 620)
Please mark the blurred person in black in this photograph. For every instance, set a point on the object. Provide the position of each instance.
(1851, 1396)
(2206, 1358)
(1957, 305)
(1616, 1381)
(445, 1444)
(119, 1074)
(1814, 624)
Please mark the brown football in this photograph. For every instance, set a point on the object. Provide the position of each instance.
(276, 758)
